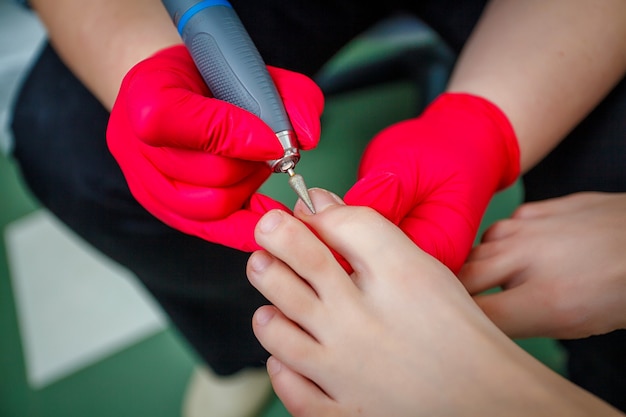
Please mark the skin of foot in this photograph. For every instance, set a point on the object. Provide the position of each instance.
(399, 335)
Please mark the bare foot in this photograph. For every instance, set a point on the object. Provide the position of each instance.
(398, 337)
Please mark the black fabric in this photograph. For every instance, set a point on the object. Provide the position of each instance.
(598, 365)
(591, 158)
(303, 35)
(60, 145)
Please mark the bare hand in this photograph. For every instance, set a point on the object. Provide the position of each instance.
(561, 264)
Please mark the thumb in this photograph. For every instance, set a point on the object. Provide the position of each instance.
(304, 102)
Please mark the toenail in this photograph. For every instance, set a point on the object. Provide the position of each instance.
(259, 261)
(322, 199)
(263, 315)
(269, 221)
(273, 365)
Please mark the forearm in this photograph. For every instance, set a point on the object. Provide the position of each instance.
(100, 40)
(546, 64)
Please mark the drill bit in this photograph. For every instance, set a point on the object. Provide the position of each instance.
(296, 182)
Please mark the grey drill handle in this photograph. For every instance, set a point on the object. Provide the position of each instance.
(231, 65)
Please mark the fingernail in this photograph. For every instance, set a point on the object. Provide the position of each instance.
(273, 365)
(269, 221)
(323, 199)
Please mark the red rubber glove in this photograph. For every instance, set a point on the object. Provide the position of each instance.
(196, 162)
(434, 175)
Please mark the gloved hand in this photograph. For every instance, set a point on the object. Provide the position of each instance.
(434, 175)
(196, 162)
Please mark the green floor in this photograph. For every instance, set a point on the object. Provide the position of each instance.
(148, 378)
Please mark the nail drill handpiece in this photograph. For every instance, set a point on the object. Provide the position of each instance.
(235, 72)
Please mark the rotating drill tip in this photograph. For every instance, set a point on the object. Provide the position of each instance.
(296, 182)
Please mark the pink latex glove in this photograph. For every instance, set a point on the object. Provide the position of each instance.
(434, 175)
(196, 162)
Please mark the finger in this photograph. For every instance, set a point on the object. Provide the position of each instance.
(284, 289)
(205, 124)
(484, 251)
(172, 108)
(502, 229)
(478, 277)
(200, 168)
(160, 194)
(237, 230)
(304, 103)
(299, 395)
(383, 193)
(554, 206)
(260, 203)
(190, 202)
(488, 267)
